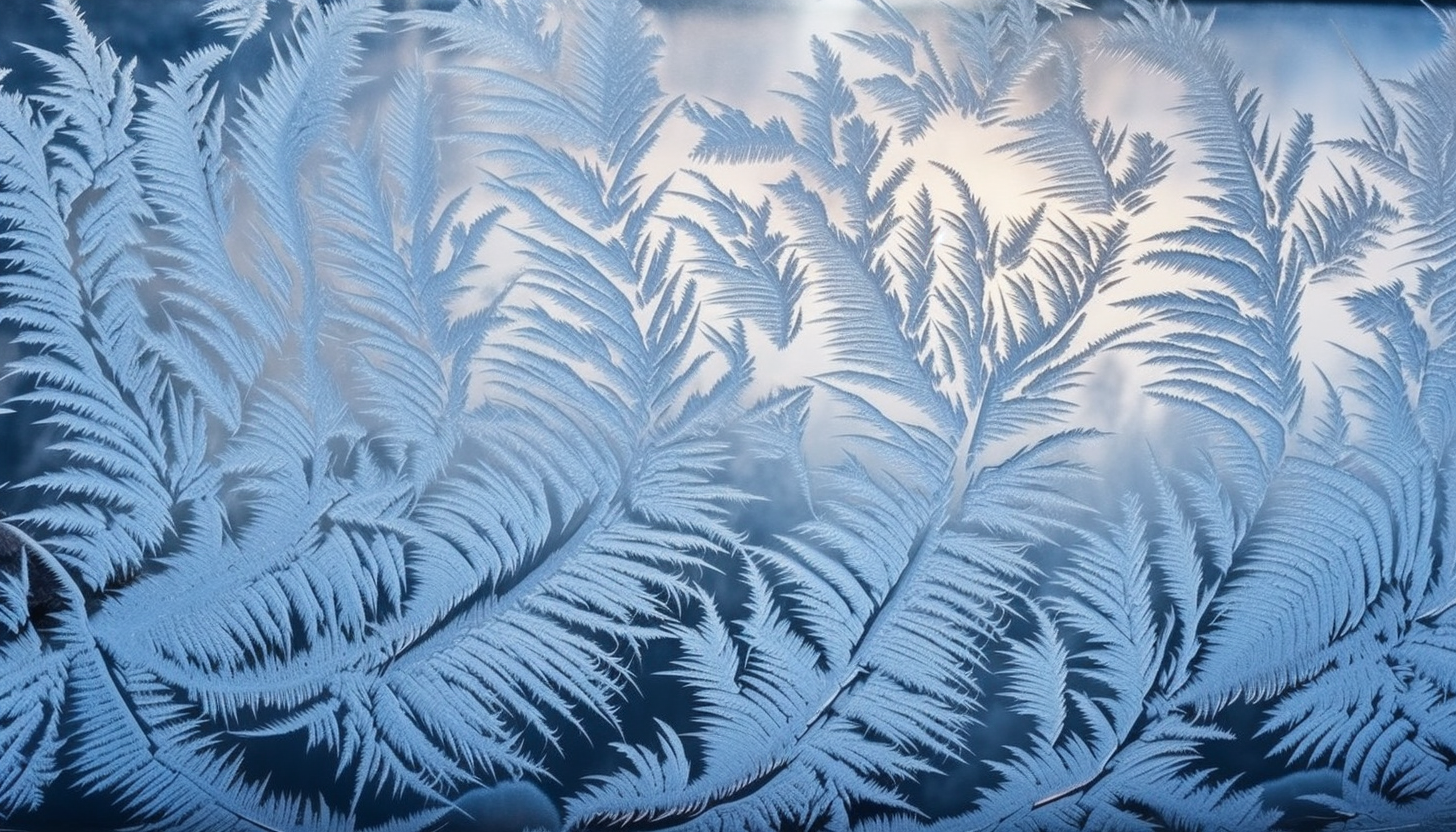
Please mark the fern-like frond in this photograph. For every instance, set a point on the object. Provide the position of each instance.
(242, 19)
(74, 211)
(992, 49)
(1240, 246)
(757, 273)
(218, 327)
(1305, 575)
(281, 123)
(1061, 139)
(1345, 224)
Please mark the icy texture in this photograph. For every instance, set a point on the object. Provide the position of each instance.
(454, 424)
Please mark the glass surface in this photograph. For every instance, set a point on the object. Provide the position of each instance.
(877, 416)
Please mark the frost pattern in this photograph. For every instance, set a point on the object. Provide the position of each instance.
(448, 444)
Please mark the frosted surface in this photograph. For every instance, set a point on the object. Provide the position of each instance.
(852, 416)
